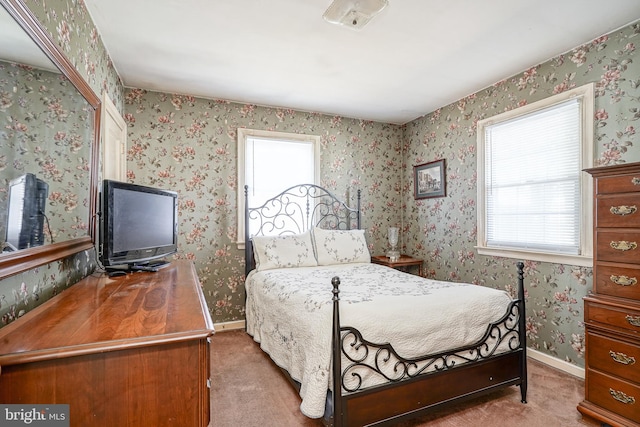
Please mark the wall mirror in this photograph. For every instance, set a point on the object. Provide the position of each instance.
(49, 122)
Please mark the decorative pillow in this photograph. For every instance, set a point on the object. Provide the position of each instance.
(290, 250)
(340, 246)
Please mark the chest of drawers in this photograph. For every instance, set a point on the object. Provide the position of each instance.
(612, 310)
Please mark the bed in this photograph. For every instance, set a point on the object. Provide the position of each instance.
(365, 344)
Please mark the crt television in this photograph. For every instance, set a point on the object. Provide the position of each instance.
(26, 212)
(138, 224)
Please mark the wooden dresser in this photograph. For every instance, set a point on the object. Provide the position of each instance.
(612, 310)
(125, 351)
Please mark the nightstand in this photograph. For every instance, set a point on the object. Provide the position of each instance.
(403, 263)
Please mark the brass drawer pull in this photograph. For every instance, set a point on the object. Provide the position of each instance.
(623, 280)
(622, 358)
(635, 321)
(622, 397)
(623, 245)
(623, 210)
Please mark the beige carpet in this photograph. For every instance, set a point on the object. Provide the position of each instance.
(249, 390)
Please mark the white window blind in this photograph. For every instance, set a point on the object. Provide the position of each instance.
(533, 180)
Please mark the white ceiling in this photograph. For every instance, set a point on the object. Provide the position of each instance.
(416, 56)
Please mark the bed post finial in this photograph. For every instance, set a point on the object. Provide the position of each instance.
(335, 282)
(337, 358)
(520, 266)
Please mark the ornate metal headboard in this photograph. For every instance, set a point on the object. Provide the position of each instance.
(296, 210)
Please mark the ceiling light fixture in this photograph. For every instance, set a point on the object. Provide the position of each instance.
(353, 14)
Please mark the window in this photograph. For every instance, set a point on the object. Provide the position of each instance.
(270, 162)
(534, 201)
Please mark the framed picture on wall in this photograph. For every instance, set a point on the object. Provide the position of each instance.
(429, 180)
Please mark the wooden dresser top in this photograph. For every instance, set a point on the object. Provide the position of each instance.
(106, 314)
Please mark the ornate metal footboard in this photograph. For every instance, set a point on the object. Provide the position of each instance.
(414, 386)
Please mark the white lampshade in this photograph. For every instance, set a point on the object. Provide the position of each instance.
(353, 14)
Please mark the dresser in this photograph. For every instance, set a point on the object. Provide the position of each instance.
(123, 351)
(612, 310)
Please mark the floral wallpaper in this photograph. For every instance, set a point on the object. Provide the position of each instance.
(46, 129)
(443, 230)
(27, 290)
(188, 144)
(70, 26)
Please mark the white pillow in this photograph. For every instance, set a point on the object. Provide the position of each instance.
(340, 246)
(290, 250)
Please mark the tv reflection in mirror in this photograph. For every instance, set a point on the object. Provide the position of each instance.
(26, 213)
(138, 227)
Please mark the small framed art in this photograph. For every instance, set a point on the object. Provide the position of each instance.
(429, 179)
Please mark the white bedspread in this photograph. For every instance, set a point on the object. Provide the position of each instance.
(289, 312)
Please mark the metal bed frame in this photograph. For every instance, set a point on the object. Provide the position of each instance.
(453, 376)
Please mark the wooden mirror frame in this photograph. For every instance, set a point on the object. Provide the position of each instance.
(16, 262)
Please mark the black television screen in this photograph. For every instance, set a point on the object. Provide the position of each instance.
(138, 224)
(26, 212)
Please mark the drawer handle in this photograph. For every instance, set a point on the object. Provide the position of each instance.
(623, 280)
(622, 358)
(622, 397)
(635, 321)
(635, 180)
(623, 210)
(623, 245)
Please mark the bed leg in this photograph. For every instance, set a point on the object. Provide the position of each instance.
(523, 333)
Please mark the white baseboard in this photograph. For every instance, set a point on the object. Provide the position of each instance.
(228, 326)
(567, 367)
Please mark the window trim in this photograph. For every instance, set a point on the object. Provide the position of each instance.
(243, 134)
(585, 259)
